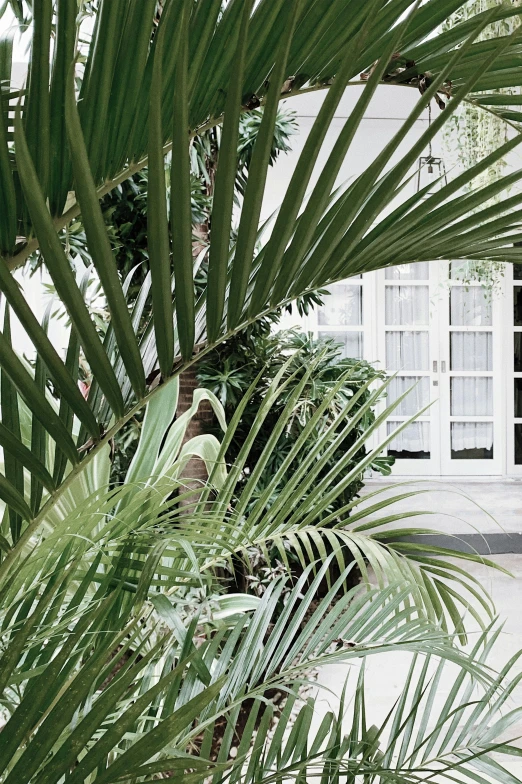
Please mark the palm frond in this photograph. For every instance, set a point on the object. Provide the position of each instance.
(465, 742)
(70, 666)
(129, 521)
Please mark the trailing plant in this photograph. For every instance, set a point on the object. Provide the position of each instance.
(472, 133)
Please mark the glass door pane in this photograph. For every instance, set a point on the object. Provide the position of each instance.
(413, 443)
(471, 396)
(407, 352)
(471, 350)
(468, 386)
(407, 305)
(341, 317)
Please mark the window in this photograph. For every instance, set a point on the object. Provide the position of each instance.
(341, 316)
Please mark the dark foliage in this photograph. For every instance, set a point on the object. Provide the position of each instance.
(230, 370)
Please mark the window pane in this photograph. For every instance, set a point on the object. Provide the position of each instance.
(407, 351)
(469, 307)
(342, 307)
(413, 443)
(518, 397)
(518, 444)
(352, 342)
(517, 359)
(472, 396)
(517, 306)
(471, 350)
(461, 270)
(417, 398)
(517, 271)
(472, 440)
(419, 270)
(407, 305)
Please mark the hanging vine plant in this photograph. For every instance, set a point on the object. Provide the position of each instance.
(472, 133)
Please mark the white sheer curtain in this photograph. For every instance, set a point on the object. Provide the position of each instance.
(472, 396)
(471, 435)
(352, 342)
(414, 438)
(407, 305)
(343, 306)
(469, 307)
(471, 351)
(417, 398)
(407, 351)
(419, 270)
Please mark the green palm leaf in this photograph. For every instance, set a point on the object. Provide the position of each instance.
(82, 564)
(314, 241)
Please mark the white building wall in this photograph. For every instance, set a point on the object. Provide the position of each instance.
(387, 111)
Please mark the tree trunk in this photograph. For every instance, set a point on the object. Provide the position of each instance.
(194, 475)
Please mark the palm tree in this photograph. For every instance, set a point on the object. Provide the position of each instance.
(207, 74)
(87, 574)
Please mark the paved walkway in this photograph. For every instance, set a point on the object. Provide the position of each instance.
(386, 673)
(460, 506)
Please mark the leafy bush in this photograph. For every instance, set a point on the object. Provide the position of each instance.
(232, 368)
(125, 207)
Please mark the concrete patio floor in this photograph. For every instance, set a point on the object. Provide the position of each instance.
(470, 508)
(483, 514)
(386, 673)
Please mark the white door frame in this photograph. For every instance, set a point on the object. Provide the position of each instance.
(422, 467)
(373, 327)
(449, 466)
(439, 416)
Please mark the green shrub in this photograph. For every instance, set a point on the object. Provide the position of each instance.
(230, 370)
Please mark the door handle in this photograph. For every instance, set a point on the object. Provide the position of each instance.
(443, 366)
(435, 366)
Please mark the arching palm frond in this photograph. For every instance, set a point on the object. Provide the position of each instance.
(472, 737)
(131, 522)
(90, 684)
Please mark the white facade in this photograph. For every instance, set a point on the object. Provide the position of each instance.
(462, 349)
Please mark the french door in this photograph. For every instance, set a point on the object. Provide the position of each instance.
(405, 345)
(438, 332)
(442, 337)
